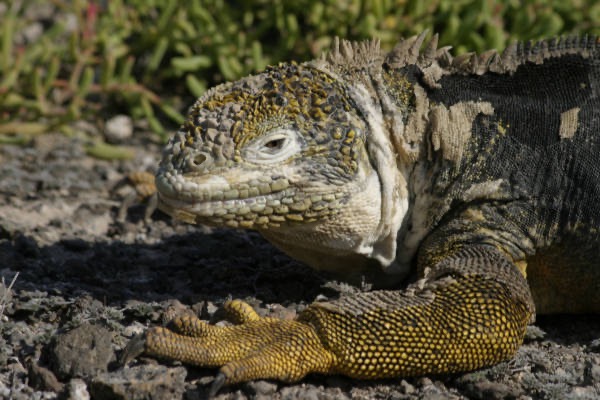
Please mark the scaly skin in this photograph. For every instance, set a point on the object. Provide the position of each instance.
(368, 164)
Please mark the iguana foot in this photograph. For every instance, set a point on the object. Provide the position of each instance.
(255, 348)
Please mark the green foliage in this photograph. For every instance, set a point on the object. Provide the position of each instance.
(150, 58)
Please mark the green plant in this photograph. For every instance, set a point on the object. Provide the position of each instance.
(150, 58)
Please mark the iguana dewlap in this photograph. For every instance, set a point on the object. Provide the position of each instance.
(482, 172)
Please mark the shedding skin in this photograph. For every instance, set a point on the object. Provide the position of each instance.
(464, 183)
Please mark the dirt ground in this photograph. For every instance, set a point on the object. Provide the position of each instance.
(86, 284)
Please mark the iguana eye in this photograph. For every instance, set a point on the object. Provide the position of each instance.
(273, 147)
(275, 144)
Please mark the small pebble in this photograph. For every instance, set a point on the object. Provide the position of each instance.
(118, 129)
(261, 388)
(77, 390)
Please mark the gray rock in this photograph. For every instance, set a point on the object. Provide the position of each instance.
(261, 388)
(491, 390)
(438, 396)
(585, 393)
(296, 393)
(595, 345)
(595, 373)
(118, 128)
(42, 378)
(534, 333)
(406, 387)
(77, 390)
(155, 382)
(82, 352)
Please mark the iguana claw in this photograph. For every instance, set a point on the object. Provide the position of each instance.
(134, 348)
(217, 384)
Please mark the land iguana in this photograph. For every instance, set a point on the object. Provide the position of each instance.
(480, 172)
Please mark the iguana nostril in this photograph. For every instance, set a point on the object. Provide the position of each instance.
(198, 162)
(199, 159)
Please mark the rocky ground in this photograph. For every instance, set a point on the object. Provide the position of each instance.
(86, 284)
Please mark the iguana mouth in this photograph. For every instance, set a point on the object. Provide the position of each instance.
(259, 202)
(213, 200)
(209, 208)
(212, 188)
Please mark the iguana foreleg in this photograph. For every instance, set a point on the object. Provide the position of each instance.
(470, 311)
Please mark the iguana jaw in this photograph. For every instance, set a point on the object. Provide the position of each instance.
(221, 198)
(220, 212)
(325, 230)
(242, 197)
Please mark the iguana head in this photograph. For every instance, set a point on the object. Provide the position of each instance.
(283, 148)
(284, 152)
